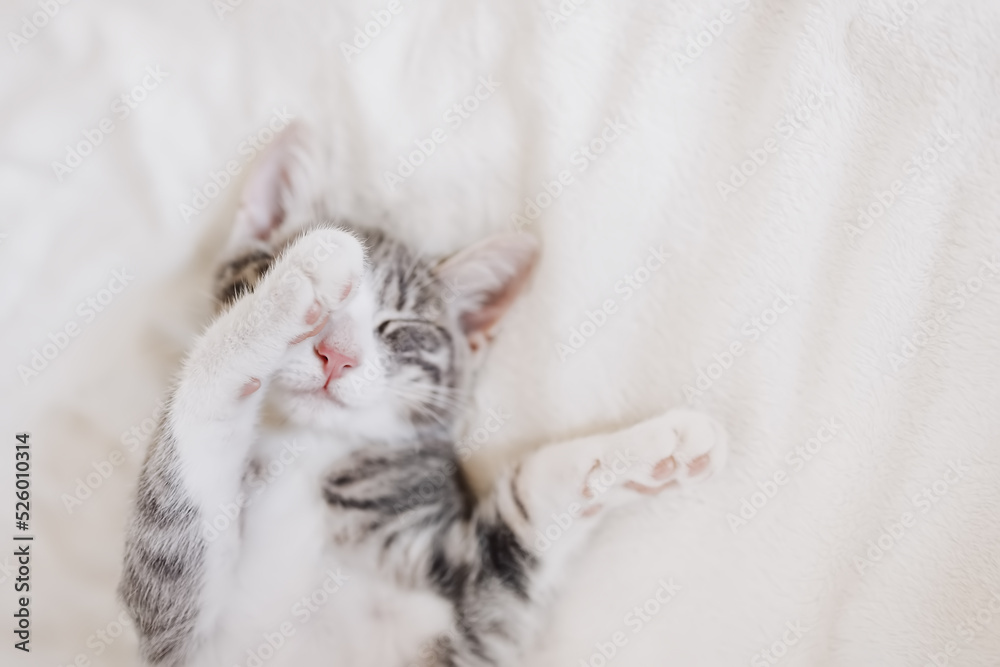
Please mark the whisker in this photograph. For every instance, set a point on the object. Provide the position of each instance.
(436, 406)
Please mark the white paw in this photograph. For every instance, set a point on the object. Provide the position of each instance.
(315, 276)
(682, 446)
(334, 262)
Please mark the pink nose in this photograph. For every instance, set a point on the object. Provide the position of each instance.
(335, 362)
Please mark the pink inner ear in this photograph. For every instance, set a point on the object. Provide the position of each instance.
(481, 320)
(266, 215)
(261, 211)
(484, 318)
(487, 277)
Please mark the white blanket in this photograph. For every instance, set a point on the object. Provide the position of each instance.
(823, 179)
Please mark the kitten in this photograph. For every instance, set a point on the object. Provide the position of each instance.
(302, 503)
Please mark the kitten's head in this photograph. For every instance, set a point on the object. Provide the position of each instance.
(400, 355)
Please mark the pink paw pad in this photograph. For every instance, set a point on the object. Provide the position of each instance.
(314, 316)
(250, 387)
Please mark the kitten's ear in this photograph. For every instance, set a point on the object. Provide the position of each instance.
(483, 280)
(261, 209)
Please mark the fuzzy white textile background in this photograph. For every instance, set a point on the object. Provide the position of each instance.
(823, 178)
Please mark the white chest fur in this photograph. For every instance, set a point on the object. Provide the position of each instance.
(296, 601)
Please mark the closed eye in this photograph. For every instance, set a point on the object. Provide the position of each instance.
(392, 328)
(406, 321)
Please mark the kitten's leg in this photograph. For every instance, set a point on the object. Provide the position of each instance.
(512, 554)
(556, 494)
(175, 580)
(495, 560)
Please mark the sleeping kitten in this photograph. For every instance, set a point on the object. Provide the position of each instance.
(302, 503)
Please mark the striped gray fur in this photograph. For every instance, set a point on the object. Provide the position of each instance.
(388, 496)
(475, 560)
(164, 557)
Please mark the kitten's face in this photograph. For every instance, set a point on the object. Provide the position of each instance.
(399, 355)
(396, 356)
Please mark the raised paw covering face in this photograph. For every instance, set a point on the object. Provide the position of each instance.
(315, 276)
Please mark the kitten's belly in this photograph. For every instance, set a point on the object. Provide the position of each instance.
(295, 603)
(365, 624)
